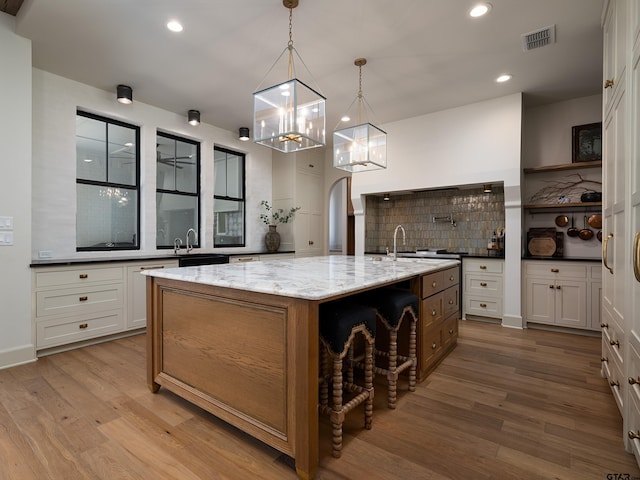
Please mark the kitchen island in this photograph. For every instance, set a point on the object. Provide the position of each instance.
(241, 340)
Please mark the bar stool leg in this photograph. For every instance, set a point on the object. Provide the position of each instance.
(368, 385)
(392, 374)
(412, 355)
(337, 415)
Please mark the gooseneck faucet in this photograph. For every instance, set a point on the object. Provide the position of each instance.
(395, 241)
(195, 239)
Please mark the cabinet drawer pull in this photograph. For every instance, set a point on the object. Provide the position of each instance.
(614, 343)
(633, 435)
(483, 284)
(434, 284)
(558, 287)
(452, 278)
(311, 165)
(83, 299)
(483, 305)
(483, 267)
(433, 313)
(451, 302)
(310, 242)
(604, 359)
(82, 326)
(614, 383)
(249, 259)
(451, 331)
(433, 346)
(142, 269)
(555, 270)
(604, 325)
(605, 250)
(633, 381)
(608, 83)
(83, 275)
(551, 286)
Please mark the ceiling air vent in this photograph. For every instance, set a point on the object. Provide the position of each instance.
(539, 38)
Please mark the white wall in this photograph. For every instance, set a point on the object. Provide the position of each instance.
(16, 342)
(55, 100)
(475, 144)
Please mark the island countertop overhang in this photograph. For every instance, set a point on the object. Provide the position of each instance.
(309, 278)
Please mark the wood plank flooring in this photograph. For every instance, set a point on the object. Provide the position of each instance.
(506, 404)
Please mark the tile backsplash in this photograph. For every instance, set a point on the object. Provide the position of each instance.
(476, 214)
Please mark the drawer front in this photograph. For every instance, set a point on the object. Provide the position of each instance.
(485, 286)
(634, 375)
(431, 311)
(483, 306)
(596, 273)
(617, 385)
(432, 283)
(70, 278)
(79, 300)
(243, 259)
(451, 277)
(450, 331)
(450, 301)
(431, 347)
(50, 333)
(615, 340)
(477, 265)
(556, 270)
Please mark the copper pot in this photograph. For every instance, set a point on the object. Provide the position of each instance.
(595, 221)
(586, 233)
(599, 235)
(562, 220)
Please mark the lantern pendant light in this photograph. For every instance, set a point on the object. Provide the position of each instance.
(289, 116)
(362, 146)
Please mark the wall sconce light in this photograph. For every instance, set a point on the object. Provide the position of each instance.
(243, 134)
(487, 188)
(386, 197)
(193, 117)
(124, 94)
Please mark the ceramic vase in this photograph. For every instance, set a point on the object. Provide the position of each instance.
(272, 239)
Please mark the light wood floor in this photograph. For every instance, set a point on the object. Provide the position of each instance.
(506, 404)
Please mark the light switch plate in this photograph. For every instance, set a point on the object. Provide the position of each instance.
(6, 223)
(6, 238)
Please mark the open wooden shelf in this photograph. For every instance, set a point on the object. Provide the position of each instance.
(566, 206)
(564, 166)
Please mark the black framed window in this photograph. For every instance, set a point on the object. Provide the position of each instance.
(228, 198)
(107, 184)
(177, 190)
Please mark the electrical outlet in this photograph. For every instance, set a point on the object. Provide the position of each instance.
(45, 254)
(6, 238)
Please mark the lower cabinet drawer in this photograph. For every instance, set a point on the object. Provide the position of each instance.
(483, 306)
(53, 332)
(484, 286)
(450, 330)
(616, 382)
(450, 301)
(431, 342)
(431, 310)
(79, 300)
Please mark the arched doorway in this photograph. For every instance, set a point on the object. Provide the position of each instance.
(341, 219)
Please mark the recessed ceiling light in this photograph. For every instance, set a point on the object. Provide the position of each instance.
(480, 10)
(174, 26)
(345, 119)
(504, 78)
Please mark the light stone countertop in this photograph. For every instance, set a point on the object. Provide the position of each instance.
(310, 278)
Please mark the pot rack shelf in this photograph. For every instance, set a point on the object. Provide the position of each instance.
(547, 207)
(564, 166)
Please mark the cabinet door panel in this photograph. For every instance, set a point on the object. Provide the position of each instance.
(571, 302)
(540, 297)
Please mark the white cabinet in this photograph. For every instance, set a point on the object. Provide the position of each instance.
(298, 181)
(560, 293)
(75, 303)
(137, 291)
(78, 303)
(258, 258)
(483, 289)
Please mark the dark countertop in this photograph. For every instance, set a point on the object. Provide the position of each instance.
(57, 262)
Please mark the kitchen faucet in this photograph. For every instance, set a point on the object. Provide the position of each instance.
(177, 244)
(195, 239)
(404, 241)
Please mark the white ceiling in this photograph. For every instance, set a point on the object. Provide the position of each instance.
(422, 55)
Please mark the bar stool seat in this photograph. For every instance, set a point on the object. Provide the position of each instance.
(340, 322)
(392, 306)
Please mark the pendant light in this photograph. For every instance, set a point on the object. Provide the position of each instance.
(361, 146)
(289, 116)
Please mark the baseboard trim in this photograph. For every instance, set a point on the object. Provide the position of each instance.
(17, 356)
(512, 321)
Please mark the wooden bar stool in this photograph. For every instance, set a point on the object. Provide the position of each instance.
(392, 306)
(340, 321)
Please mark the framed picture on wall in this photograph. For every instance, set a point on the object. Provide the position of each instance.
(587, 142)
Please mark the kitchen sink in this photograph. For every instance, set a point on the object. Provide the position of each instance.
(195, 259)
